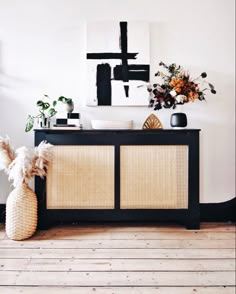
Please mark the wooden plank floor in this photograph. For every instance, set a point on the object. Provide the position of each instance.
(120, 259)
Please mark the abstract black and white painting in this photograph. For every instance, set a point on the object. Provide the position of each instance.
(117, 63)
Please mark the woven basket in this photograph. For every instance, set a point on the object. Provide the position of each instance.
(21, 213)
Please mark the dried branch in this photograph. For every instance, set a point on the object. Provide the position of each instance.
(7, 154)
(25, 163)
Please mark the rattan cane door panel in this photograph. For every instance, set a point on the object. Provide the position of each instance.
(81, 177)
(154, 177)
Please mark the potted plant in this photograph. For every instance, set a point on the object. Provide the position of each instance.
(21, 166)
(46, 111)
(69, 104)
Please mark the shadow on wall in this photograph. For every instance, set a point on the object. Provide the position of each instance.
(12, 110)
(12, 120)
(6, 127)
(4, 184)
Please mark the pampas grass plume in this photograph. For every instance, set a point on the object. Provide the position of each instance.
(7, 154)
(25, 163)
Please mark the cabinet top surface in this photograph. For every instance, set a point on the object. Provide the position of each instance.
(134, 131)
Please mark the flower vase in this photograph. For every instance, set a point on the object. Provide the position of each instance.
(44, 122)
(21, 213)
(178, 119)
(69, 107)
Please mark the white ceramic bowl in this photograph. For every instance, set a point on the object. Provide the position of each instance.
(111, 124)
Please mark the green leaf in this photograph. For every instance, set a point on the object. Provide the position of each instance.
(54, 103)
(65, 100)
(29, 123)
(61, 98)
(45, 106)
(68, 100)
(40, 103)
(51, 112)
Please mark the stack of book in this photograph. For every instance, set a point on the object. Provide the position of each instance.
(72, 121)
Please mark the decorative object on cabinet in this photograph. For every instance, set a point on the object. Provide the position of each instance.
(152, 122)
(117, 63)
(178, 120)
(111, 124)
(21, 165)
(72, 120)
(46, 111)
(177, 87)
(68, 102)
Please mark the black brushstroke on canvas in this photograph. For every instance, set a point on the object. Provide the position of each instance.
(105, 55)
(104, 84)
(135, 72)
(123, 47)
(123, 72)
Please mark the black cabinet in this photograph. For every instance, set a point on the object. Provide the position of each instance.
(120, 175)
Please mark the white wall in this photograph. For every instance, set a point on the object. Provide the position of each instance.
(43, 47)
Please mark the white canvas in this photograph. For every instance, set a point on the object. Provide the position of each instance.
(106, 40)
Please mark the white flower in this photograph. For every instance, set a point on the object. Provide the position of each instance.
(173, 93)
(181, 98)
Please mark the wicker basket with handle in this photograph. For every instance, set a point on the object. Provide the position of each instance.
(21, 213)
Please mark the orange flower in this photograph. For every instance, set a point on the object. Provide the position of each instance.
(178, 90)
(192, 96)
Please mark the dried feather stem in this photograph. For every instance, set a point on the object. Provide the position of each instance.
(7, 154)
(40, 161)
(25, 163)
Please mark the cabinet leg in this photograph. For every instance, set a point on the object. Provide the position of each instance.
(193, 224)
(43, 223)
(43, 227)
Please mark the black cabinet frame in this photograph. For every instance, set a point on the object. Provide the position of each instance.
(190, 137)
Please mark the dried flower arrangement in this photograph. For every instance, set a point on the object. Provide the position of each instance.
(177, 87)
(21, 165)
(24, 163)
